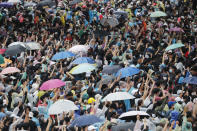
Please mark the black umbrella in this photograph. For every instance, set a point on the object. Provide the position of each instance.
(48, 3)
(74, 2)
(111, 69)
(124, 126)
(106, 80)
(14, 50)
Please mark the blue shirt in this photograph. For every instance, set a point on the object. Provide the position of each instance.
(2, 115)
(34, 119)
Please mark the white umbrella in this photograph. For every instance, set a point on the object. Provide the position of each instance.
(79, 48)
(32, 45)
(131, 114)
(61, 106)
(17, 43)
(118, 96)
(14, 1)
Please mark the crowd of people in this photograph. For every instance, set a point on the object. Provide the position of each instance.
(117, 33)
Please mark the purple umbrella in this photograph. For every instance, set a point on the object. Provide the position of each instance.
(6, 4)
(176, 29)
(51, 84)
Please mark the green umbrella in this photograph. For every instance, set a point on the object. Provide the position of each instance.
(158, 14)
(1, 59)
(174, 46)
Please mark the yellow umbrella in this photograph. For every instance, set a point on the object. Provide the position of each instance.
(83, 68)
(6, 62)
(41, 93)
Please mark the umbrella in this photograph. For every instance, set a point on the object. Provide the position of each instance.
(131, 115)
(174, 46)
(126, 72)
(82, 60)
(17, 43)
(119, 13)
(51, 84)
(123, 126)
(112, 21)
(85, 120)
(158, 14)
(61, 106)
(9, 70)
(14, 50)
(79, 48)
(190, 80)
(6, 4)
(176, 29)
(74, 2)
(62, 55)
(2, 51)
(106, 80)
(48, 3)
(111, 69)
(1, 59)
(32, 45)
(29, 4)
(14, 1)
(83, 68)
(117, 96)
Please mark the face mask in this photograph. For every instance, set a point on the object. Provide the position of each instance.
(123, 89)
(170, 70)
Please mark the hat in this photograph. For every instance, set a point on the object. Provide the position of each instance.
(90, 128)
(90, 100)
(178, 99)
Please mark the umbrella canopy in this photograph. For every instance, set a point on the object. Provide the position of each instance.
(9, 70)
(48, 3)
(62, 55)
(85, 120)
(106, 80)
(82, 60)
(124, 126)
(2, 51)
(174, 46)
(158, 14)
(29, 4)
(112, 21)
(6, 4)
(131, 115)
(126, 72)
(1, 59)
(117, 96)
(190, 80)
(79, 48)
(51, 84)
(14, 50)
(83, 68)
(61, 106)
(17, 43)
(32, 45)
(123, 13)
(73, 2)
(111, 69)
(14, 1)
(176, 29)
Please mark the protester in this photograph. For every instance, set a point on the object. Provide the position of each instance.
(145, 48)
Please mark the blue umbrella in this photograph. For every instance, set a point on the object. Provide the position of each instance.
(190, 80)
(6, 4)
(62, 55)
(85, 120)
(82, 60)
(126, 72)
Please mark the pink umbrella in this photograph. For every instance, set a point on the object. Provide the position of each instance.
(51, 84)
(2, 51)
(176, 29)
(9, 70)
